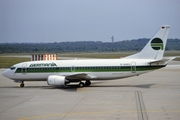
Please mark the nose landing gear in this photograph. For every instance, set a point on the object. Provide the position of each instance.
(22, 84)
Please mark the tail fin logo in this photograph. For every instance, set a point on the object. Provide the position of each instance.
(157, 44)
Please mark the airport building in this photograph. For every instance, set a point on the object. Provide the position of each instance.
(39, 57)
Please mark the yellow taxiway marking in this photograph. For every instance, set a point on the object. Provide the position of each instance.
(102, 112)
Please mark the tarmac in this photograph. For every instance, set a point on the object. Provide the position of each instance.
(151, 96)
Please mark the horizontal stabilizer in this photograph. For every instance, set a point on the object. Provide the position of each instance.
(163, 61)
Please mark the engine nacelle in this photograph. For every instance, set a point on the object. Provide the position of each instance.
(57, 80)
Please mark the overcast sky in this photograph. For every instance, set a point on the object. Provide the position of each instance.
(86, 20)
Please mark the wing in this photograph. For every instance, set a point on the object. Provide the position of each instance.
(79, 76)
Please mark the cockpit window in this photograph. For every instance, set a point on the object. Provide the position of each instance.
(12, 68)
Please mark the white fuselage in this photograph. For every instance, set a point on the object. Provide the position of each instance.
(96, 69)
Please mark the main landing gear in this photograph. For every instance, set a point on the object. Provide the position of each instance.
(22, 84)
(81, 84)
(87, 83)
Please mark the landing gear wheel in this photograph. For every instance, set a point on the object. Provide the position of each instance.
(22, 84)
(88, 83)
(81, 84)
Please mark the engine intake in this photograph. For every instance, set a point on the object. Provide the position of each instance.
(57, 80)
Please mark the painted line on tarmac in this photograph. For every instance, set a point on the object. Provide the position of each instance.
(141, 110)
(102, 112)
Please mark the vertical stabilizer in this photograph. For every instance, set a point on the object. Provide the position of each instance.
(154, 49)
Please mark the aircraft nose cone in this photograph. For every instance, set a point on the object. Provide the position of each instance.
(5, 73)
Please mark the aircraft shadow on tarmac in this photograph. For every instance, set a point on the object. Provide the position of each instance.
(73, 88)
(139, 86)
(91, 86)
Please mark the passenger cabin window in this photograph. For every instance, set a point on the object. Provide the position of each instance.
(12, 68)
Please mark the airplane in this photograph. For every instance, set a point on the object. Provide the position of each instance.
(64, 72)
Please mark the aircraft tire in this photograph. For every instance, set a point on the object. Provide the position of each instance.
(81, 84)
(22, 85)
(88, 83)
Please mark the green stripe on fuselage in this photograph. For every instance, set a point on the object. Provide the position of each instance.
(86, 69)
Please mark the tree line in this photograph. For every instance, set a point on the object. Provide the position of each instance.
(82, 46)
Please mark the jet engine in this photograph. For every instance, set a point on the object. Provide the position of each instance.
(57, 80)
